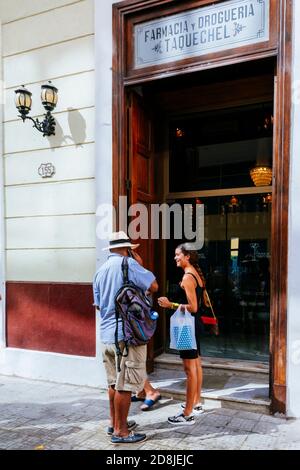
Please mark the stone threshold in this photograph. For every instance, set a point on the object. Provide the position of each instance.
(253, 406)
(173, 360)
(226, 383)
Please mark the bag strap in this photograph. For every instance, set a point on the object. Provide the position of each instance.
(125, 270)
(210, 305)
(199, 301)
(118, 350)
(194, 278)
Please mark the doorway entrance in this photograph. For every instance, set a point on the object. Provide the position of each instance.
(195, 140)
(211, 161)
(164, 76)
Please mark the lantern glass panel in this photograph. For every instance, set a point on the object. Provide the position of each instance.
(49, 96)
(23, 99)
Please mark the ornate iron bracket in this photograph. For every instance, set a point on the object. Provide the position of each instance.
(47, 126)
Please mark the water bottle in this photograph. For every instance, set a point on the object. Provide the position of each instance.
(154, 315)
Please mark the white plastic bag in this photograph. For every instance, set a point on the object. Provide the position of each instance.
(182, 331)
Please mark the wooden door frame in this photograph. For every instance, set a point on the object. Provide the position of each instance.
(122, 12)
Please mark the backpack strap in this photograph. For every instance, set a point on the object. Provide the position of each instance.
(125, 270)
(118, 350)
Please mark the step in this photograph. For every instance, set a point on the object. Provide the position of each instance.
(246, 390)
(215, 365)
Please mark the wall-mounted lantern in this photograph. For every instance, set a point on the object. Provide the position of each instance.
(49, 98)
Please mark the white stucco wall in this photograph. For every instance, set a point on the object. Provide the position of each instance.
(103, 133)
(64, 53)
(49, 224)
(103, 58)
(58, 367)
(2, 233)
(41, 41)
(293, 351)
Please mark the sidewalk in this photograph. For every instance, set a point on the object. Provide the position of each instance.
(44, 415)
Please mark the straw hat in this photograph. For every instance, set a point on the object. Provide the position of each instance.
(120, 240)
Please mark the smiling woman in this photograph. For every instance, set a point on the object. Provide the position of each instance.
(186, 333)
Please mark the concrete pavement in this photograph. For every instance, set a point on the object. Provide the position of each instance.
(46, 415)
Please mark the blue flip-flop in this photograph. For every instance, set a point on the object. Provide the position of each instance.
(149, 403)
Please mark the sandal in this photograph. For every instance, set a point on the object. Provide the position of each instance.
(148, 403)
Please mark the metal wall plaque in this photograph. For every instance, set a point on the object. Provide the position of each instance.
(46, 170)
(201, 31)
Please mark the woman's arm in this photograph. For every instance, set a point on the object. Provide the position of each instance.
(164, 302)
(190, 291)
(189, 286)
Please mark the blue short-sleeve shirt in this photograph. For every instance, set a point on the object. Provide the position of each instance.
(107, 281)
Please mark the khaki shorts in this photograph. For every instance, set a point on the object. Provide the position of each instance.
(133, 367)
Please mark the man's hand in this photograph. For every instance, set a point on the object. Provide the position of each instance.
(137, 257)
(153, 288)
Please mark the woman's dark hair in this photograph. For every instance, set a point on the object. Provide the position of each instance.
(194, 258)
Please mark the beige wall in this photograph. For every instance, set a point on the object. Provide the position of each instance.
(49, 223)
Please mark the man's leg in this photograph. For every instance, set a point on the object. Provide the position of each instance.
(121, 410)
(130, 377)
(111, 395)
(109, 362)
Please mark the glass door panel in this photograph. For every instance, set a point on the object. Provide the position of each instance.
(235, 261)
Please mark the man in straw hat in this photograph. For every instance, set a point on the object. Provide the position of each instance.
(107, 281)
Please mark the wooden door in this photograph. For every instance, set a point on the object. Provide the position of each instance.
(142, 171)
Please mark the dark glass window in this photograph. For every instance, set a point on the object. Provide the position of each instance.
(217, 149)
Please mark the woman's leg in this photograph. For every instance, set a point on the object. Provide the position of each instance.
(152, 396)
(197, 398)
(190, 369)
(148, 391)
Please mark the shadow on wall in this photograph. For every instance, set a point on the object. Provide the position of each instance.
(77, 126)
